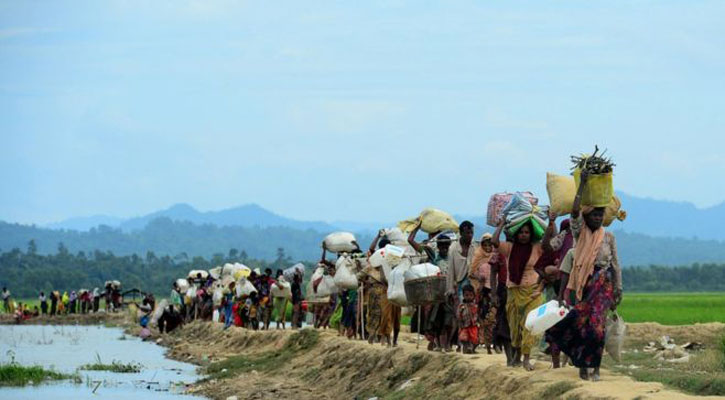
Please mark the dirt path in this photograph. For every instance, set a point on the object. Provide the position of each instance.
(336, 368)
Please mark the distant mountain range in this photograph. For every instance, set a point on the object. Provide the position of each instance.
(249, 215)
(645, 216)
(672, 219)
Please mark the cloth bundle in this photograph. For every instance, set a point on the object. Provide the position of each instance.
(284, 292)
(339, 242)
(183, 285)
(396, 284)
(198, 272)
(289, 273)
(345, 269)
(520, 211)
(244, 287)
(432, 220)
(499, 201)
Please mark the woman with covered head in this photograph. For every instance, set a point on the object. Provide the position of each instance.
(590, 273)
(522, 295)
(486, 262)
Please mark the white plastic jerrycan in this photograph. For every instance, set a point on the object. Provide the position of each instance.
(545, 316)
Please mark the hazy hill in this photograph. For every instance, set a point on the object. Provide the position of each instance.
(645, 216)
(166, 237)
(248, 215)
(672, 219)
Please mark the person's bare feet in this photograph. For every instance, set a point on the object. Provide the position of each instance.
(595, 375)
(528, 366)
(584, 374)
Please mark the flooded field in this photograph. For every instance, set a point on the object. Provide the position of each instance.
(67, 348)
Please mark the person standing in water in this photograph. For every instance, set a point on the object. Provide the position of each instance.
(6, 301)
(54, 297)
(96, 299)
(43, 303)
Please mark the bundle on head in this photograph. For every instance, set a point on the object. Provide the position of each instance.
(595, 164)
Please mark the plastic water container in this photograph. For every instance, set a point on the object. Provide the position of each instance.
(545, 316)
(376, 259)
(394, 251)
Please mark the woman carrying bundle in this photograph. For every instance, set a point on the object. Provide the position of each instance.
(522, 295)
(591, 274)
(390, 313)
(485, 260)
(280, 303)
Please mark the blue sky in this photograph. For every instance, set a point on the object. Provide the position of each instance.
(348, 111)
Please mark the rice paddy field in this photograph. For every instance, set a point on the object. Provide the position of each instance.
(673, 308)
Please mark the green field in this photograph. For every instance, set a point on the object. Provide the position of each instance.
(673, 308)
(665, 308)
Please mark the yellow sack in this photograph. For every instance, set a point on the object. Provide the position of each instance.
(242, 273)
(599, 190)
(613, 211)
(561, 190)
(434, 220)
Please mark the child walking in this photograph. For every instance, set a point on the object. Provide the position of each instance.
(468, 321)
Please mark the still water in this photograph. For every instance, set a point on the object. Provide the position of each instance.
(66, 348)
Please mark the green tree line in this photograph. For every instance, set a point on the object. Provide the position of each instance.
(28, 272)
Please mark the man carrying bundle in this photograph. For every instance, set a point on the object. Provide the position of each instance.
(437, 318)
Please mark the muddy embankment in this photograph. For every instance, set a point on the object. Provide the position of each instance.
(320, 365)
(313, 364)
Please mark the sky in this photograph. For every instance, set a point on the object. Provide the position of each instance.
(341, 111)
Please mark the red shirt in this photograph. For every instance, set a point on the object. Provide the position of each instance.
(502, 269)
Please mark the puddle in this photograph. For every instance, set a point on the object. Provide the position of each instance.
(66, 348)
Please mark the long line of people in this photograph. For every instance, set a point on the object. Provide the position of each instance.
(81, 302)
(492, 284)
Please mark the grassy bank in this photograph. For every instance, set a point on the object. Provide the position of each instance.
(13, 374)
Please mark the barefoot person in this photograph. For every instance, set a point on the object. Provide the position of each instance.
(390, 313)
(484, 262)
(522, 295)
(297, 301)
(460, 257)
(556, 246)
(591, 273)
(467, 316)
